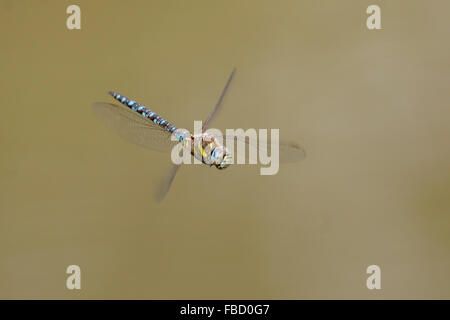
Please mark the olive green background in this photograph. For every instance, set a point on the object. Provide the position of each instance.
(371, 108)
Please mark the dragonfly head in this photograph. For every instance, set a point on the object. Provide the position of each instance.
(221, 157)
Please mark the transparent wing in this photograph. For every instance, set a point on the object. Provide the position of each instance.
(133, 127)
(219, 102)
(166, 182)
(288, 151)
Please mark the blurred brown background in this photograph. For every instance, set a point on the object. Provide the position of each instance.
(371, 108)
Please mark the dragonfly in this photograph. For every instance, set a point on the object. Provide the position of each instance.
(139, 125)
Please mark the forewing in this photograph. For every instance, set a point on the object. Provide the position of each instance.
(219, 102)
(288, 151)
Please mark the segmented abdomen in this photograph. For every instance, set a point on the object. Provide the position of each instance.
(133, 105)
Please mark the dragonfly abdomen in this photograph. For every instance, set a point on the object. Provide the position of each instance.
(147, 113)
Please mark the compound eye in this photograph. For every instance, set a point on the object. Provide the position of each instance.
(217, 155)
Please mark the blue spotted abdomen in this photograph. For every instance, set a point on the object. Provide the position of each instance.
(146, 113)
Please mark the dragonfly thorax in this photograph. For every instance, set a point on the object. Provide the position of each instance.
(210, 151)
